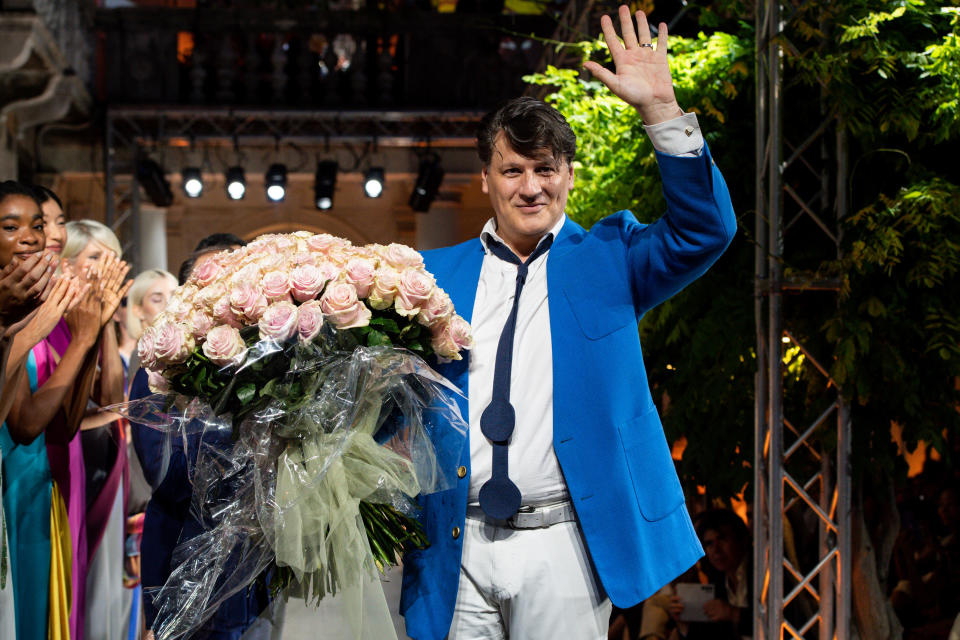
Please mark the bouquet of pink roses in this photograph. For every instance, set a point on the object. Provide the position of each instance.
(294, 381)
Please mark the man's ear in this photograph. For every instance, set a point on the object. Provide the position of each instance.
(570, 183)
(483, 179)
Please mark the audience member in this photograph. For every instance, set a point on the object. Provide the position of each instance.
(54, 220)
(726, 542)
(91, 469)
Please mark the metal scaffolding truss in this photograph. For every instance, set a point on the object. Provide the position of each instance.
(801, 181)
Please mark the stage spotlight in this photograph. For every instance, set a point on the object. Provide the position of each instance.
(236, 183)
(276, 182)
(150, 176)
(325, 184)
(428, 183)
(373, 182)
(192, 182)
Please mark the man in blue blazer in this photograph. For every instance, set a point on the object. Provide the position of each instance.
(568, 498)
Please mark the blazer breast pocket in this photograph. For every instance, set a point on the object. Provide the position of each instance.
(651, 468)
(600, 301)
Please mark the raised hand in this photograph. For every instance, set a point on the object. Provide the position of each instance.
(63, 294)
(109, 273)
(642, 78)
(83, 319)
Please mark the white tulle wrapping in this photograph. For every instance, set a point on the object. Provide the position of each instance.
(378, 425)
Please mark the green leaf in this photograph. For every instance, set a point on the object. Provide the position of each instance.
(387, 324)
(377, 338)
(246, 392)
(876, 308)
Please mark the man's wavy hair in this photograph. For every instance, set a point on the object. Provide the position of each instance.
(530, 127)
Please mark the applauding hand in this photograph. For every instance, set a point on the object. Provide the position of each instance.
(108, 275)
(65, 293)
(83, 319)
(642, 78)
(23, 283)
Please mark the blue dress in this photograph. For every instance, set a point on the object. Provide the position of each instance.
(27, 484)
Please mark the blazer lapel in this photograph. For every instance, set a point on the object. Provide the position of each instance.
(460, 282)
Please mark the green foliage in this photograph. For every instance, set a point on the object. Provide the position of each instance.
(894, 66)
(896, 333)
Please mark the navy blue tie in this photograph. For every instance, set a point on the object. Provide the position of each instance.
(499, 496)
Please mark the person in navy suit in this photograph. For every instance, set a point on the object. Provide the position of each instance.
(567, 498)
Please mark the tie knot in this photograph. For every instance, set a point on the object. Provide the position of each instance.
(503, 252)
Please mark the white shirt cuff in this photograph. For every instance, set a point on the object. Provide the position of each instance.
(677, 137)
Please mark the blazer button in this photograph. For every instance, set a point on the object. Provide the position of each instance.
(461, 472)
(456, 532)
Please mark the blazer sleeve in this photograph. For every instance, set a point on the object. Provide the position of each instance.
(699, 224)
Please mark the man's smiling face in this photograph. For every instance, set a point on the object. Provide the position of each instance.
(528, 195)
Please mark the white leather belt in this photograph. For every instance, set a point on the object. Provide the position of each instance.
(529, 517)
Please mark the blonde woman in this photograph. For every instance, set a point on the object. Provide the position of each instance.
(98, 530)
(148, 296)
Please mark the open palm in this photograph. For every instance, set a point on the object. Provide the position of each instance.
(642, 77)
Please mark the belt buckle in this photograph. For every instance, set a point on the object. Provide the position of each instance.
(526, 517)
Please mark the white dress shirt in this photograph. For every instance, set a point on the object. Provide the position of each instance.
(532, 463)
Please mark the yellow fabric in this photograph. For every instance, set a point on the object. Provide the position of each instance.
(61, 559)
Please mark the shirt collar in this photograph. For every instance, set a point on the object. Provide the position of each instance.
(490, 231)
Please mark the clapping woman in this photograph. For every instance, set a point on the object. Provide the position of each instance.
(41, 390)
(93, 465)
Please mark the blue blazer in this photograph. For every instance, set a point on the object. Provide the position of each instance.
(606, 432)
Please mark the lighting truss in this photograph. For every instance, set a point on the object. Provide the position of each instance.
(801, 182)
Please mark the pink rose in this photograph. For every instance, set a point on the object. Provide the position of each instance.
(279, 321)
(178, 308)
(452, 336)
(157, 383)
(209, 295)
(276, 285)
(248, 301)
(414, 289)
(306, 281)
(384, 289)
(225, 346)
(146, 349)
(323, 241)
(360, 272)
(172, 343)
(303, 257)
(201, 322)
(437, 308)
(401, 256)
(246, 274)
(283, 243)
(208, 271)
(309, 320)
(223, 313)
(340, 304)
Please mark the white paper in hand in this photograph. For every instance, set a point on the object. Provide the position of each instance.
(694, 596)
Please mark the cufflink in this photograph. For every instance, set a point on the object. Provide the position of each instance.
(688, 131)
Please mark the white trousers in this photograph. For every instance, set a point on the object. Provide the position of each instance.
(527, 584)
